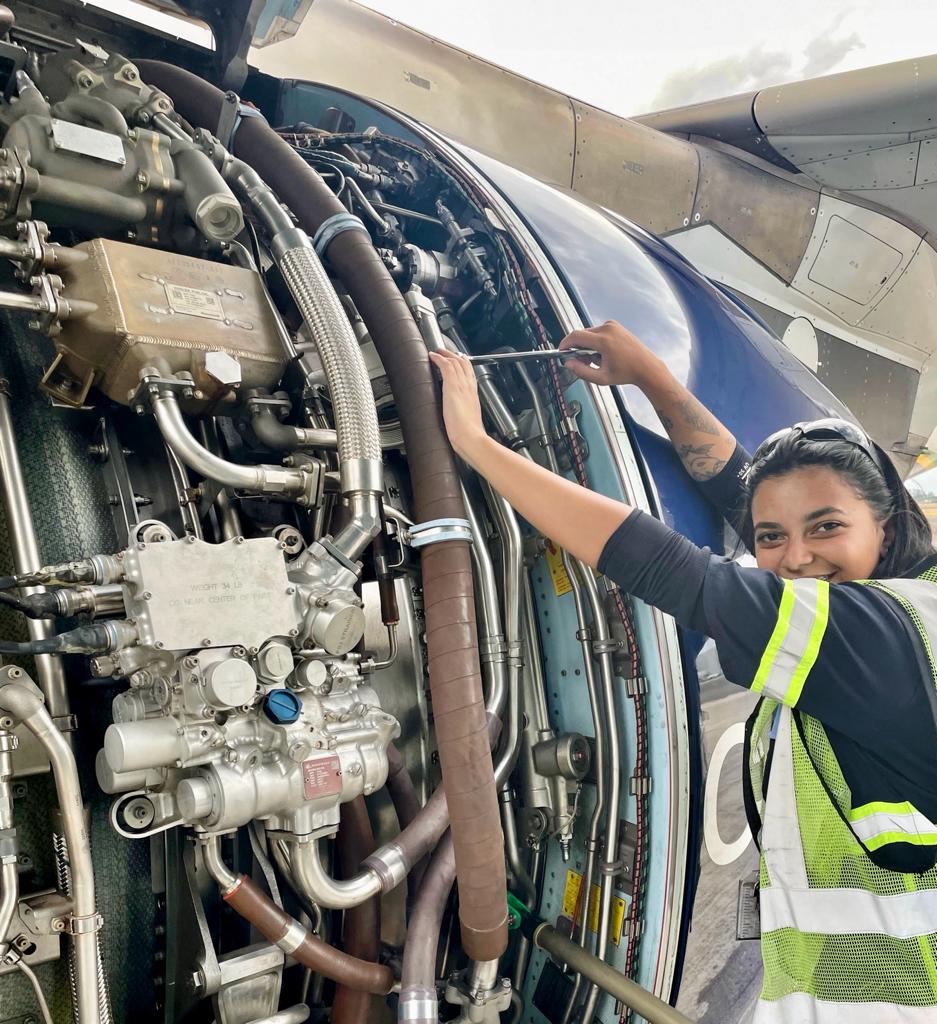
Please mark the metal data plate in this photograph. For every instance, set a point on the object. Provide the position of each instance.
(78, 138)
(188, 594)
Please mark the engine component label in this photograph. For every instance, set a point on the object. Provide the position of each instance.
(558, 574)
(571, 907)
(322, 776)
(618, 918)
(194, 302)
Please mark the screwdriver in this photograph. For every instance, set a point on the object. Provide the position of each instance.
(586, 354)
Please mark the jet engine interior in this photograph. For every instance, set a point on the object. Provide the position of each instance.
(297, 719)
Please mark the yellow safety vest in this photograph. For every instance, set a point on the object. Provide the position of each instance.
(843, 940)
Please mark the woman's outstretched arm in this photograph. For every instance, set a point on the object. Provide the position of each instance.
(702, 442)
(573, 517)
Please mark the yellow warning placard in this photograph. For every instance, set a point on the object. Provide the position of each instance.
(594, 909)
(571, 892)
(618, 918)
(558, 573)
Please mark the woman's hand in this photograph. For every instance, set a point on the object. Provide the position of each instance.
(623, 359)
(460, 406)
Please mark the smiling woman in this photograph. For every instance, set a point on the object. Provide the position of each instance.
(841, 788)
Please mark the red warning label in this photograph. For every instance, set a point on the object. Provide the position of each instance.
(322, 776)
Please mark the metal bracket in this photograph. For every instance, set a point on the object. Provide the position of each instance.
(435, 531)
(66, 723)
(640, 785)
(609, 646)
(636, 686)
(83, 925)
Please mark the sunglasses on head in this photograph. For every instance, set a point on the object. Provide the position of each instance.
(830, 429)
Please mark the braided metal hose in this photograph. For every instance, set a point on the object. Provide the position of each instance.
(345, 370)
(63, 882)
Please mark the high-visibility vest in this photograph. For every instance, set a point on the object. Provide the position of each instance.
(843, 940)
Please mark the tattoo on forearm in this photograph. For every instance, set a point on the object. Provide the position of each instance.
(699, 461)
(697, 416)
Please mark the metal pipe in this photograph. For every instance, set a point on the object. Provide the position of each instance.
(491, 643)
(283, 437)
(37, 989)
(604, 813)
(328, 892)
(49, 671)
(286, 932)
(418, 1000)
(214, 863)
(9, 876)
(610, 851)
(393, 649)
(23, 702)
(606, 977)
(258, 479)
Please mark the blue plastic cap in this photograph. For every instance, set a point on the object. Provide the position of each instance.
(282, 707)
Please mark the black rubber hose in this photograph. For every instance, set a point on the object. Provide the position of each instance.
(36, 606)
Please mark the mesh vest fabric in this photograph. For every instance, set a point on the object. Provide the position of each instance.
(836, 962)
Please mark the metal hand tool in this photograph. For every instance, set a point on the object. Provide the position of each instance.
(537, 353)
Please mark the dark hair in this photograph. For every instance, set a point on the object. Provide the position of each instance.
(887, 496)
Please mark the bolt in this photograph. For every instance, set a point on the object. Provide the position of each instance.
(159, 645)
(85, 81)
(147, 595)
(291, 590)
(58, 924)
(322, 602)
(206, 642)
(15, 673)
(139, 410)
(238, 540)
(294, 632)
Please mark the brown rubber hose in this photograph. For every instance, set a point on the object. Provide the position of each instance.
(451, 636)
(361, 933)
(273, 923)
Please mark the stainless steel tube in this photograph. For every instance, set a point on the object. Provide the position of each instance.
(320, 888)
(491, 642)
(605, 812)
(219, 871)
(9, 877)
(20, 700)
(49, 672)
(258, 479)
(605, 977)
(610, 851)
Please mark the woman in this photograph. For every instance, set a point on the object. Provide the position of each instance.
(842, 749)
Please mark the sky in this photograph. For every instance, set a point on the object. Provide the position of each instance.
(634, 57)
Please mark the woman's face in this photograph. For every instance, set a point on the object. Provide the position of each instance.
(811, 523)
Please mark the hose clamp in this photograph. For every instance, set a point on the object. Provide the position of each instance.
(233, 112)
(75, 925)
(333, 226)
(293, 937)
(389, 864)
(435, 531)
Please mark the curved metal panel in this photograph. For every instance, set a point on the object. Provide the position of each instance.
(353, 48)
(648, 176)
(885, 99)
(730, 120)
(768, 216)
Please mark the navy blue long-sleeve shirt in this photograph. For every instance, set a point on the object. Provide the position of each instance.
(871, 685)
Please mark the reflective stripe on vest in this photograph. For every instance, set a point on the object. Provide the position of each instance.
(795, 643)
(799, 1008)
(879, 823)
(849, 911)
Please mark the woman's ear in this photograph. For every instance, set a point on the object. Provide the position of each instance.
(888, 536)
